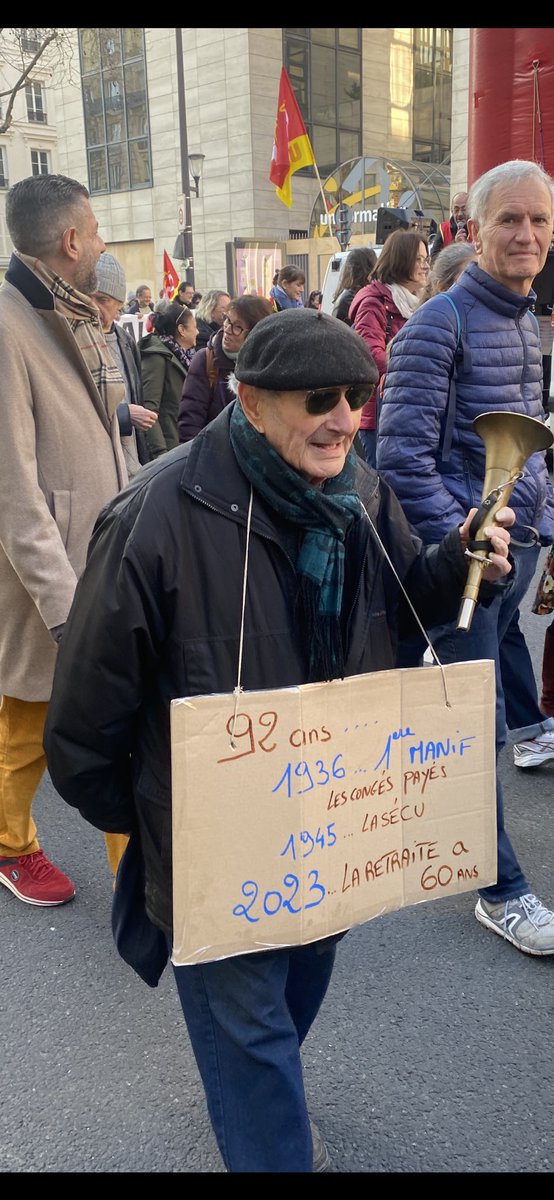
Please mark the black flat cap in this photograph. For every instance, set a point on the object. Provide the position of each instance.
(301, 348)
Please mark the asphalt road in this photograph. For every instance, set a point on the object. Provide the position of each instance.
(432, 1052)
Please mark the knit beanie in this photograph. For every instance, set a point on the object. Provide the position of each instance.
(110, 277)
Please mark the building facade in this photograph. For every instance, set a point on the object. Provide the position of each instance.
(129, 112)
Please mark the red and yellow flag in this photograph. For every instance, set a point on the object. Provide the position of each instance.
(170, 278)
(292, 148)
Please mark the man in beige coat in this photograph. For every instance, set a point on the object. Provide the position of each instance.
(61, 462)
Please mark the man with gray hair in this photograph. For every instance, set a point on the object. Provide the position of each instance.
(61, 461)
(134, 419)
(477, 349)
(455, 229)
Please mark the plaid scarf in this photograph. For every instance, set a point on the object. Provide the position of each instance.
(176, 349)
(84, 321)
(325, 514)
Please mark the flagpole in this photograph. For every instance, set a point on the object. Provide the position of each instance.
(325, 209)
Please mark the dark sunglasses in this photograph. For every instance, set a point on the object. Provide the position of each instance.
(322, 400)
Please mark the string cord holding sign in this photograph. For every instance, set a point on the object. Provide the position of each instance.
(238, 690)
(384, 551)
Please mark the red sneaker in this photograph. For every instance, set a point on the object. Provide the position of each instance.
(34, 879)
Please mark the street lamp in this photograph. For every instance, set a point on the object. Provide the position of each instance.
(196, 166)
(183, 245)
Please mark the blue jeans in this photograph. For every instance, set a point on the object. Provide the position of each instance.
(484, 639)
(247, 1018)
(523, 715)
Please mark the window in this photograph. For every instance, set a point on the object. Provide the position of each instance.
(40, 162)
(432, 94)
(36, 102)
(115, 104)
(31, 40)
(3, 167)
(325, 69)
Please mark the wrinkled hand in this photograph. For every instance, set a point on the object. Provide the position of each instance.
(461, 236)
(142, 418)
(497, 532)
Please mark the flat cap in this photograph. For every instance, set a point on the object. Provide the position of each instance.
(110, 277)
(301, 348)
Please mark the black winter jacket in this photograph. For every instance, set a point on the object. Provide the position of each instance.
(341, 306)
(205, 331)
(157, 616)
(131, 361)
(200, 402)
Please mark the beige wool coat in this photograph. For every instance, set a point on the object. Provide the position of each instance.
(60, 462)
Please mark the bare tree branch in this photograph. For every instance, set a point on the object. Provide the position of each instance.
(54, 50)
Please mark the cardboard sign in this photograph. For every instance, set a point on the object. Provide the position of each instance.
(338, 802)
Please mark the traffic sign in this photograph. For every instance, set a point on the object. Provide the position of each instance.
(343, 231)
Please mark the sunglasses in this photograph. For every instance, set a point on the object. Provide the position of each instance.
(323, 400)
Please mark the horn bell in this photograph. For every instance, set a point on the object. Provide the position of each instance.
(510, 439)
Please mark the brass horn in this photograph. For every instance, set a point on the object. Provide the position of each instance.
(510, 439)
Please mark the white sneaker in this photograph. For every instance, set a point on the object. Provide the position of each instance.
(523, 921)
(536, 751)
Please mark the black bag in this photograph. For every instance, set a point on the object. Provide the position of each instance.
(140, 943)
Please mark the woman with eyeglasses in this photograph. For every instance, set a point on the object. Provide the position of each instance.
(209, 315)
(205, 392)
(381, 308)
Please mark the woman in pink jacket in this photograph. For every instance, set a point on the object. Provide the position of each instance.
(381, 308)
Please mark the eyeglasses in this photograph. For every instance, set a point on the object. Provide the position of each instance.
(323, 400)
(233, 327)
(423, 262)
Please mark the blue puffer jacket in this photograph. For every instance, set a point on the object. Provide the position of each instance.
(502, 371)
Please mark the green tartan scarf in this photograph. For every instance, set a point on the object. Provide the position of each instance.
(325, 514)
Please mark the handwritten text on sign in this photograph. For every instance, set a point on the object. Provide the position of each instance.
(338, 802)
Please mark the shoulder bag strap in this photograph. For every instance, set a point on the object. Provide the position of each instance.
(211, 369)
(460, 362)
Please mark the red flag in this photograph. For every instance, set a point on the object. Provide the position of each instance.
(170, 278)
(292, 148)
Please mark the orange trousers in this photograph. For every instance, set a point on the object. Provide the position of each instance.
(22, 765)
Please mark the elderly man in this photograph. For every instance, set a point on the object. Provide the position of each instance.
(453, 230)
(274, 475)
(61, 461)
(134, 419)
(143, 304)
(511, 210)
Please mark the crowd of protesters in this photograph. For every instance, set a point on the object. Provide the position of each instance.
(139, 475)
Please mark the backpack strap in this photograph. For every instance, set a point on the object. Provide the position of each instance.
(211, 370)
(378, 389)
(461, 363)
(533, 314)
